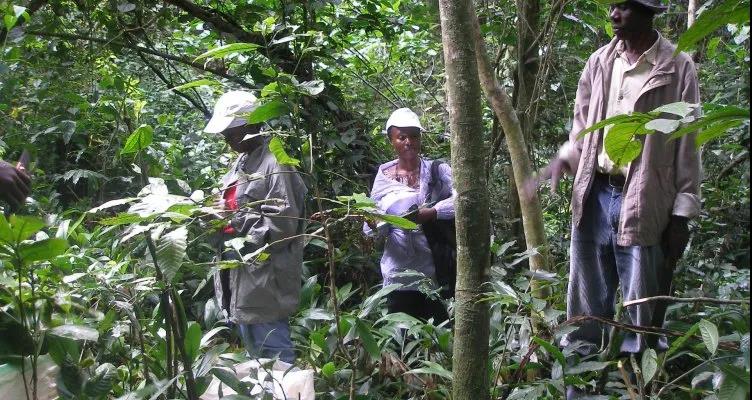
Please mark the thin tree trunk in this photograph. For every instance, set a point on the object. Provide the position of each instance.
(691, 11)
(528, 21)
(470, 357)
(532, 215)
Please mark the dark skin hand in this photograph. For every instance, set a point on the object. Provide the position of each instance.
(406, 142)
(15, 184)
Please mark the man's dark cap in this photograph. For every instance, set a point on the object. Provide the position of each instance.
(654, 5)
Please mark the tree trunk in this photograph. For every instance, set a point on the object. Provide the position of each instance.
(528, 21)
(470, 358)
(691, 10)
(532, 215)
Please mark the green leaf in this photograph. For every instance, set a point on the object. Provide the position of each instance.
(371, 301)
(709, 333)
(735, 384)
(196, 83)
(738, 374)
(649, 365)
(620, 144)
(678, 343)
(140, 139)
(432, 368)
(99, 385)
(616, 119)
(171, 252)
(551, 349)
(715, 131)
(266, 111)
(192, 340)
(587, 366)
(311, 88)
(228, 49)
(76, 332)
(663, 125)
(681, 108)
(277, 147)
(19, 228)
(61, 348)
(122, 219)
(364, 333)
(328, 370)
(75, 175)
(228, 377)
(727, 12)
(359, 200)
(726, 113)
(395, 220)
(42, 250)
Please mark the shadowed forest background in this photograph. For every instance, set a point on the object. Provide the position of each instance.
(110, 98)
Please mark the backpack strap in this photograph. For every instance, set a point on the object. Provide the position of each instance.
(433, 194)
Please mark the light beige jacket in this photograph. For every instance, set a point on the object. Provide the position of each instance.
(665, 179)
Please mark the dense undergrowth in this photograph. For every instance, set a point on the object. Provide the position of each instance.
(123, 177)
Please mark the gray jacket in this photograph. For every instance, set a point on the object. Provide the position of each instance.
(271, 210)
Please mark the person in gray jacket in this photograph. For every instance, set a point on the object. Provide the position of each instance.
(264, 202)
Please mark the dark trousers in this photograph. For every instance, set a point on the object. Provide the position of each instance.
(416, 304)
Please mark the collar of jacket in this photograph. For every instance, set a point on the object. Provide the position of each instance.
(664, 63)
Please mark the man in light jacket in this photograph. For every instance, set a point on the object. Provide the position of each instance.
(265, 202)
(629, 222)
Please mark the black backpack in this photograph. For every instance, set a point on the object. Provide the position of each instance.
(440, 234)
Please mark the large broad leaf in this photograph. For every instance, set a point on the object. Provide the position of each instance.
(228, 377)
(171, 252)
(192, 340)
(140, 139)
(709, 333)
(19, 228)
(278, 149)
(649, 365)
(616, 119)
(727, 12)
(432, 368)
(715, 131)
(620, 143)
(99, 385)
(395, 220)
(43, 250)
(678, 343)
(267, 111)
(735, 385)
(371, 301)
(721, 114)
(364, 333)
(76, 332)
(551, 349)
(227, 50)
(681, 108)
(587, 366)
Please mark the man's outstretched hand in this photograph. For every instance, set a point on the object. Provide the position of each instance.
(554, 171)
(15, 184)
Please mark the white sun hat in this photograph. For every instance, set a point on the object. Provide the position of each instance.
(226, 111)
(403, 118)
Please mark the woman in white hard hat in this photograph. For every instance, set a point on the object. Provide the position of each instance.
(402, 187)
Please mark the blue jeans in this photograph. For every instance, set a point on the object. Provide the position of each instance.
(268, 340)
(598, 266)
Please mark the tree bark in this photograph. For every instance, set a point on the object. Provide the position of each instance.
(470, 357)
(691, 11)
(532, 215)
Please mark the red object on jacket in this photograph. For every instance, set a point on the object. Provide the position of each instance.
(231, 203)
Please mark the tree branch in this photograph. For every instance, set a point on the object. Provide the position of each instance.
(683, 300)
(736, 161)
(146, 50)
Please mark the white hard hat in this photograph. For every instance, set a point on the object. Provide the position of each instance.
(403, 118)
(226, 111)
